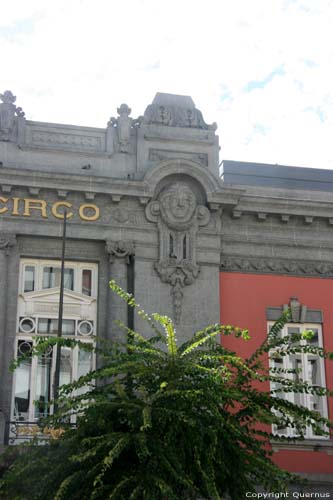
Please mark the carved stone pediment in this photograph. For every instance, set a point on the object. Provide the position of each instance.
(178, 215)
(45, 303)
(52, 295)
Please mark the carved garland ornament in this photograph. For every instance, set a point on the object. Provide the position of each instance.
(178, 216)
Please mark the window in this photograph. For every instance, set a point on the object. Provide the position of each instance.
(38, 306)
(29, 278)
(51, 277)
(34, 377)
(38, 275)
(308, 367)
(86, 281)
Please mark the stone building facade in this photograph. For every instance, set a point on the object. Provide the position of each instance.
(146, 206)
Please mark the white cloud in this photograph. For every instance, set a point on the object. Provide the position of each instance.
(75, 61)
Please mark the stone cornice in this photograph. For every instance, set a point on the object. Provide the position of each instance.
(319, 205)
(276, 266)
(21, 177)
(94, 185)
(285, 204)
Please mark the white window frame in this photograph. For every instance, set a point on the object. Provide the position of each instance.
(78, 267)
(306, 400)
(33, 374)
(39, 265)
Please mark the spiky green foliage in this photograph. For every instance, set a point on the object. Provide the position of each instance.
(164, 422)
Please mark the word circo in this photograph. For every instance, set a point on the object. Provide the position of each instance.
(25, 207)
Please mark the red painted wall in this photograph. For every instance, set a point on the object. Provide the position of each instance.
(243, 302)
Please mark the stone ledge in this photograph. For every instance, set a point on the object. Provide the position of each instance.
(262, 265)
(313, 445)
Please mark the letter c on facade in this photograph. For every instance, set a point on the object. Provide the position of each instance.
(4, 209)
(60, 215)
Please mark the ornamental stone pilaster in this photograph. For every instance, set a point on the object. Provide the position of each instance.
(119, 253)
(7, 241)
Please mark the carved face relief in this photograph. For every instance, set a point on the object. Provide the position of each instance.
(178, 204)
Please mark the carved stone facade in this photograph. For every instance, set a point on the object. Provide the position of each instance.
(120, 249)
(149, 208)
(178, 216)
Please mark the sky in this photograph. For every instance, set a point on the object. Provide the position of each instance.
(261, 69)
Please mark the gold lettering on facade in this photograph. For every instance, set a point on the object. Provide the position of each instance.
(25, 207)
(3, 209)
(88, 206)
(59, 215)
(31, 204)
(15, 209)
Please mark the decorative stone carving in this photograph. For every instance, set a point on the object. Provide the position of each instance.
(122, 249)
(164, 154)
(6, 242)
(178, 216)
(277, 266)
(175, 111)
(300, 313)
(120, 215)
(9, 115)
(85, 142)
(123, 124)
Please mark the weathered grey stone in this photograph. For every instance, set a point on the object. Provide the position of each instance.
(135, 184)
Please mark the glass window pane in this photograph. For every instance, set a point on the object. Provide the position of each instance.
(52, 276)
(315, 339)
(43, 385)
(69, 279)
(292, 330)
(313, 372)
(29, 278)
(50, 326)
(86, 281)
(22, 383)
(84, 362)
(68, 327)
(66, 366)
(84, 367)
